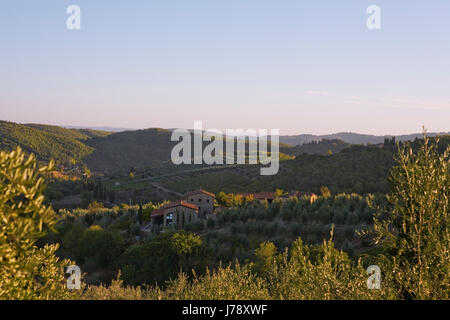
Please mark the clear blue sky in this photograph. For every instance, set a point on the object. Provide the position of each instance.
(300, 66)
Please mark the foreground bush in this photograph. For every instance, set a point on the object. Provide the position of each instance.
(26, 271)
(304, 273)
(415, 233)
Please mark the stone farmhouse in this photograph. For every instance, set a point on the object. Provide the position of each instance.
(174, 213)
(197, 204)
(204, 200)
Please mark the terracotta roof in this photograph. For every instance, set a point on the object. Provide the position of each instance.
(157, 212)
(265, 195)
(191, 193)
(180, 203)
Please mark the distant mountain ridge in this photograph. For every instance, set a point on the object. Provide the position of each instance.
(351, 138)
(112, 151)
(299, 139)
(108, 129)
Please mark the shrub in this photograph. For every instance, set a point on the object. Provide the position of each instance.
(26, 271)
(416, 231)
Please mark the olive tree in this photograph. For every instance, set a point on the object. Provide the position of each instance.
(415, 230)
(26, 271)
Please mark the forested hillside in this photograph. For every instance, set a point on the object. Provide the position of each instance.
(357, 169)
(46, 142)
(123, 150)
(322, 147)
(99, 150)
(116, 152)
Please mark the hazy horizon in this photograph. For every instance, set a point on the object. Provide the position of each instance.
(122, 129)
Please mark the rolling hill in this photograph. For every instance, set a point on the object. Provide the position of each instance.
(322, 147)
(151, 148)
(123, 150)
(351, 138)
(46, 142)
(100, 150)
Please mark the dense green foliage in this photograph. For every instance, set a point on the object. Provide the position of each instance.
(68, 133)
(159, 260)
(102, 240)
(26, 271)
(303, 272)
(415, 232)
(322, 147)
(359, 169)
(123, 150)
(284, 222)
(96, 237)
(59, 144)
